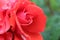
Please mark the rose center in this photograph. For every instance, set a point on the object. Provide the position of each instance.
(24, 18)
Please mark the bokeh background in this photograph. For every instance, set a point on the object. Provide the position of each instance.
(52, 11)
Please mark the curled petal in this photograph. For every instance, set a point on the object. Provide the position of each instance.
(20, 30)
(39, 19)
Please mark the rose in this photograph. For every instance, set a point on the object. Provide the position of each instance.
(25, 18)
(30, 20)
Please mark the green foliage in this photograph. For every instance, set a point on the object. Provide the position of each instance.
(53, 28)
(55, 4)
(52, 10)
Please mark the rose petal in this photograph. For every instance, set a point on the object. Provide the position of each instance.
(12, 22)
(4, 24)
(36, 36)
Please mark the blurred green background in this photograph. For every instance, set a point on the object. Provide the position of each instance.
(52, 10)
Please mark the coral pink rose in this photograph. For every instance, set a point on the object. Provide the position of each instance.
(22, 20)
